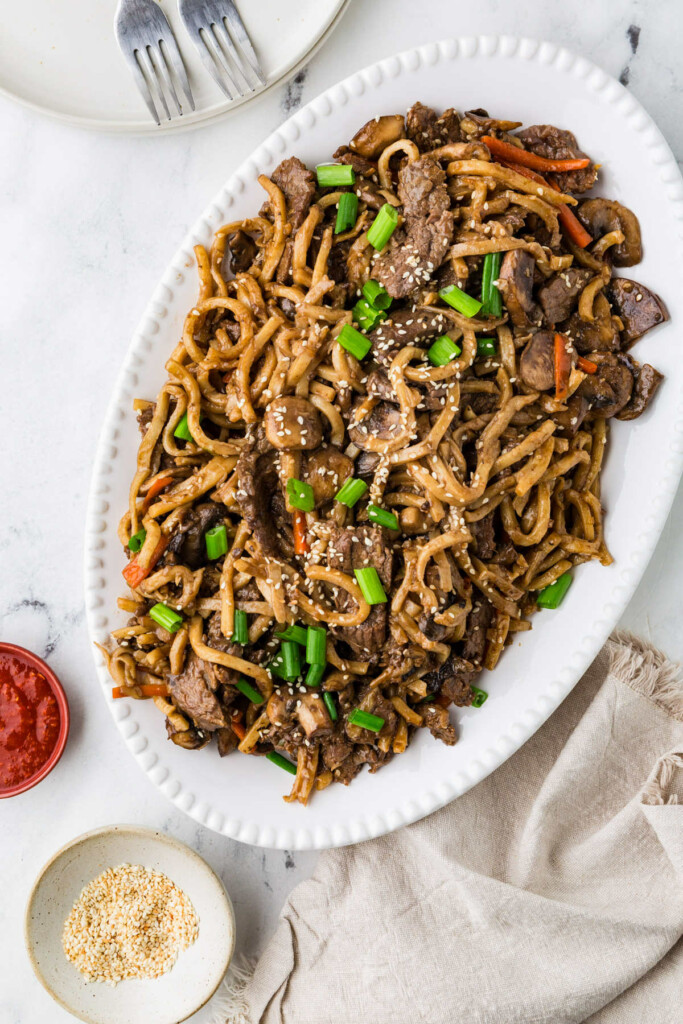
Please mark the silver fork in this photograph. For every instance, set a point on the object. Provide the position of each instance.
(148, 44)
(218, 32)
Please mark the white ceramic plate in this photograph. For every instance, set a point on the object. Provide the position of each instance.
(533, 82)
(63, 59)
(198, 970)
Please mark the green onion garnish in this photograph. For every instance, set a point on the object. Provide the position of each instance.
(376, 294)
(479, 696)
(347, 211)
(486, 347)
(331, 706)
(291, 659)
(354, 342)
(216, 540)
(382, 517)
(296, 633)
(137, 540)
(553, 596)
(281, 762)
(460, 300)
(366, 316)
(182, 431)
(350, 491)
(335, 175)
(249, 691)
(277, 666)
(315, 674)
(383, 227)
(443, 351)
(166, 617)
(241, 628)
(316, 645)
(492, 303)
(364, 720)
(370, 585)
(300, 495)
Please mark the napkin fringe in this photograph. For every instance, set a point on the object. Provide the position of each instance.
(648, 671)
(230, 1003)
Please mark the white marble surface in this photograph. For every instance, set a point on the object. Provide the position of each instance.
(88, 224)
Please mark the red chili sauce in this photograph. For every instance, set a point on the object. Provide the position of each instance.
(29, 721)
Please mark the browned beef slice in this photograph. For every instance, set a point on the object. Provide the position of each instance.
(145, 417)
(193, 692)
(453, 679)
(610, 389)
(360, 164)
(298, 185)
(558, 144)
(187, 542)
(355, 548)
(227, 741)
(484, 535)
(240, 253)
(637, 307)
(428, 131)
(335, 748)
(437, 721)
(478, 621)
(416, 251)
(559, 295)
(406, 327)
(647, 381)
(261, 502)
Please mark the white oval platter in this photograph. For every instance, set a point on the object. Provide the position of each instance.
(534, 82)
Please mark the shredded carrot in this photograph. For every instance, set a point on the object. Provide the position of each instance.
(154, 489)
(134, 573)
(568, 219)
(237, 726)
(146, 689)
(527, 159)
(300, 539)
(586, 365)
(563, 368)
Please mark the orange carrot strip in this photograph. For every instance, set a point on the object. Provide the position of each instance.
(155, 488)
(527, 159)
(586, 365)
(134, 573)
(563, 368)
(146, 689)
(568, 219)
(300, 538)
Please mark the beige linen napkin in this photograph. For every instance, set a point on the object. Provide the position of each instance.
(552, 892)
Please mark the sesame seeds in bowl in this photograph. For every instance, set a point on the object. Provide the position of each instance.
(126, 925)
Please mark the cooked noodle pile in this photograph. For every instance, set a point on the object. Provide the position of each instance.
(469, 441)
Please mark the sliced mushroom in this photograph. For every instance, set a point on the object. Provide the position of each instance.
(384, 422)
(647, 382)
(326, 470)
(240, 253)
(516, 284)
(600, 216)
(569, 420)
(609, 390)
(377, 134)
(293, 424)
(477, 122)
(366, 463)
(559, 293)
(600, 335)
(313, 715)
(379, 385)
(537, 363)
(637, 307)
(188, 739)
(279, 709)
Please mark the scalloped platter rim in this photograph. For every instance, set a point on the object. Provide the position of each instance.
(538, 81)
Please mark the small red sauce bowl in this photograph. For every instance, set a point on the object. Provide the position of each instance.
(53, 682)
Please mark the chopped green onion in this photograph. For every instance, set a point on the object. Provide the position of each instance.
(382, 517)
(296, 633)
(216, 540)
(427, 699)
(316, 645)
(241, 628)
(277, 666)
(249, 691)
(479, 696)
(364, 720)
(281, 762)
(370, 585)
(376, 294)
(315, 674)
(291, 659)
(137, 540)
(347, 211)
(350, 491)
(354, 342)
(366, 316)
(300, 495)
(460, 300)
(335, 175)
(331, 706)
(443, 351)
(166, 617)
(492, 303)
(486, 347)
(383, 227)
(553, 596)
(182, 431)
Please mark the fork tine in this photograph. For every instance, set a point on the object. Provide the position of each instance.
(237, 26)
(159, 64)
(170, 49)
(142, 85)
(224, 40)
(214, 63)
(148, 66)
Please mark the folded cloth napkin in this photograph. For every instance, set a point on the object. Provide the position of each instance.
(551, 892)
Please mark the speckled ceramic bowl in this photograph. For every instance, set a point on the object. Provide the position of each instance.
(198, 971)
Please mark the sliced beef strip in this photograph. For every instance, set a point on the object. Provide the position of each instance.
(187, 542)
(647, 381)
(637, 307)
(428, 130)
(437, 721)
(257, 496)
(192, 691)
(609, 390)
(598, 335)
(240, 253)
(227, 741)
(453, 679)
(516, 279)
(361, 164)
(484, 535)
(407, 327)
(145, 417)
(417, 250)
(559, 294)
(557, 144)
(355, 548)
(335, 748)
(298, 185)
(478, 621)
